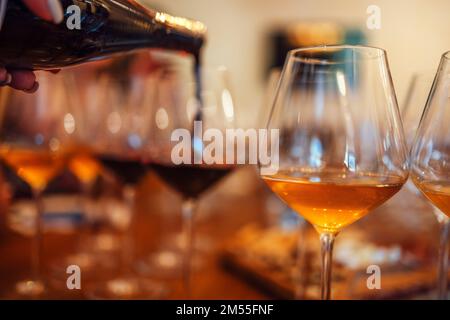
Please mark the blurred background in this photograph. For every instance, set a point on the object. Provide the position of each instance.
(246, 239)
(250, 36)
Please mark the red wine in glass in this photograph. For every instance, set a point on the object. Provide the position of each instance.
(128, 170)
(190, 180)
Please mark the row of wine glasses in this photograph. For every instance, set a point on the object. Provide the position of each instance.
(342, 147)
(100, 121)
(32, 143)
(120, 117)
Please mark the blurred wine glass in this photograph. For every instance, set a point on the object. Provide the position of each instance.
(418, 92)
(416, 97)
(430, 169)
(34, 143)
(82, 120)
(269, 93)
(183, 106)
(117, 143)
(411, 111)
(342, 149)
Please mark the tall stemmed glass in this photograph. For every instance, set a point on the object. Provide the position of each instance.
(180, 119)
(82, 121)
(118, 145)
(430, 159)
(32, 143)
(342, 149)
(418, 92)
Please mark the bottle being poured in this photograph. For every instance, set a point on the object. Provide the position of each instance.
(90, 30)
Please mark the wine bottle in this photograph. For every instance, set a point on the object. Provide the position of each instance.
(106, 27)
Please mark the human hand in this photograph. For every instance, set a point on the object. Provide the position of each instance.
(50, 10)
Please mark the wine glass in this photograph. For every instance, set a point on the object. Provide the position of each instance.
(412, 110)
(186, 106)
(417, 94)
(270, 90)
(83, 117)
(342, 151)
(117, 144)
(33, 143)
(430, 167)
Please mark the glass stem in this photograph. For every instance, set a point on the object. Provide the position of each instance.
(36, 245)
(127, 252)
(301, 276)
(86, 191)
(443, 259)
(327, 242)
(188, 210)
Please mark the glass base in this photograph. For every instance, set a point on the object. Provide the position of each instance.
(104, 243)
(86, 261)
(92, 266)
(127, 288)
(166, 264)
(202, 243)
(30, 289)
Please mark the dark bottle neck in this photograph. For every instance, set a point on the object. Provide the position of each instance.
(106, 27)
(144, 27)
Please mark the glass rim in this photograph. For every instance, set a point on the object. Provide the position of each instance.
(294, 54)
(446, 55)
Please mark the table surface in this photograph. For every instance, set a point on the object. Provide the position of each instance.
(220, 214)
(238, 200)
